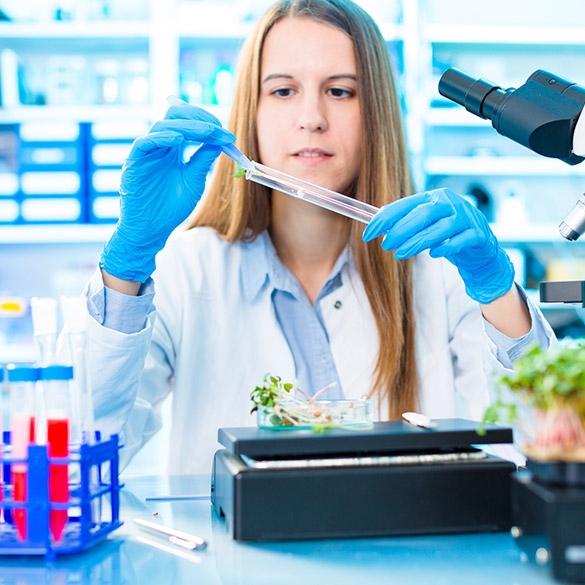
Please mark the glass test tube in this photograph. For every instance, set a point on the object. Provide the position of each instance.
(320, 196)
(56, 380)
(22, 381)
(74, 312)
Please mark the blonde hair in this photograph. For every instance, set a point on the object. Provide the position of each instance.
(240, 210)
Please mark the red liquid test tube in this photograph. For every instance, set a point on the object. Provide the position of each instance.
(56, 380)
(22, 381)
(58, 441)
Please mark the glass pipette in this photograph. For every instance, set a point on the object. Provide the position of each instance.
(320, 196)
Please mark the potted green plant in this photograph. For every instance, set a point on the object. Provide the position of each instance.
(551, 383)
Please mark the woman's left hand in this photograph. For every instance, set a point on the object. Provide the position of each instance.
(449, 226)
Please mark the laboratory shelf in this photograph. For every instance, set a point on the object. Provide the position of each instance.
(78, 113)
(78, 31)
(500, 166)
(453, 116)
(509, 35)
(238, 31)
(56, 233)
(205, 31)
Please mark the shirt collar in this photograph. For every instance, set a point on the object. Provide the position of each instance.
(261, 267)
(254, 266)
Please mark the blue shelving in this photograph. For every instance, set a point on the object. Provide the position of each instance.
(74, 178)
(44, 173)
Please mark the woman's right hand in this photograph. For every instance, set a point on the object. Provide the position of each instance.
(158, 190)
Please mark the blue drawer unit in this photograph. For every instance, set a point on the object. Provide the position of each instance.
(9, 176)
(52, 172)
(38, 155)
(108, 146)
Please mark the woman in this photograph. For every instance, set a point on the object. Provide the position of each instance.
(265, 282)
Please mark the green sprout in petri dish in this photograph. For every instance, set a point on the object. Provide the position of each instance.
(282, 405)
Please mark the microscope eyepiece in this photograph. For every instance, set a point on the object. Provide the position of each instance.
(478, 96)
(454, 85)
(541, 114)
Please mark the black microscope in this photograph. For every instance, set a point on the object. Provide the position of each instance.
(545, 115)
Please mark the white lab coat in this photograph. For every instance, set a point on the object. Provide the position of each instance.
(211, 345)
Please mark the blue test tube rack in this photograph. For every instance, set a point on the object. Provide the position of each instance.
(81, 532)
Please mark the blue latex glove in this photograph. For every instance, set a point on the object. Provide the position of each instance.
(158, 190)
(448, 226)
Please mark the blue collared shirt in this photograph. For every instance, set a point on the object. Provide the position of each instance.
(301, 322)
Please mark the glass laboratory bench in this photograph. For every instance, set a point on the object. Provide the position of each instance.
(132, 556)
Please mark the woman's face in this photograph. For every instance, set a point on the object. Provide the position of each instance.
(309, 121)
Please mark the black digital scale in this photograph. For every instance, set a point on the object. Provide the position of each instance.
(391, 479)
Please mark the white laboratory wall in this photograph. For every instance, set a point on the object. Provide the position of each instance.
(107, 66)
(77, 10)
